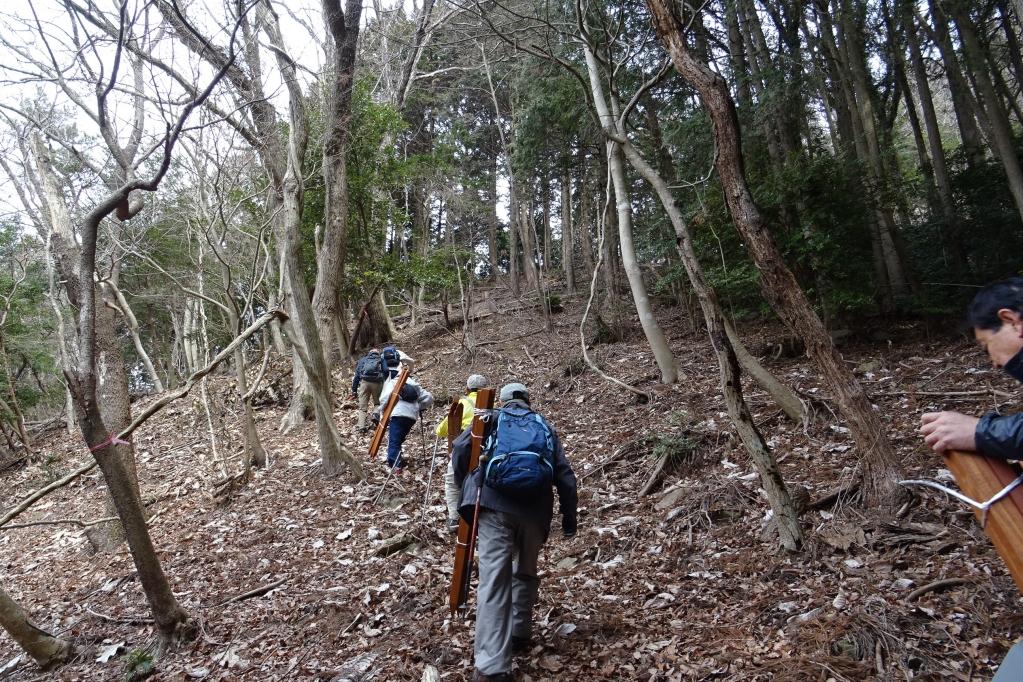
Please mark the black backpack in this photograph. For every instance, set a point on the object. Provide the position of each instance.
(391, 356)
(409, 393)
(371, 369)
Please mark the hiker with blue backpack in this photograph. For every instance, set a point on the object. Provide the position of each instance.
(521, 463)
(368, 382)
(412, 400)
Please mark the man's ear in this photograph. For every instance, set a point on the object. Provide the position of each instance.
(1011, 317)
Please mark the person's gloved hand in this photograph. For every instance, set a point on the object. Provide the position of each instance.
(568, 525)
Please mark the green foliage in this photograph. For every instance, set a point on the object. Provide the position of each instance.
(28, 330)
(137, 664)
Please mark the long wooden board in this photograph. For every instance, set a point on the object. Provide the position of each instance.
(385, 416)
(981, 478)
(454, 422)
(465, 545)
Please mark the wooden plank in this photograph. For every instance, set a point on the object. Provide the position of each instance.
(465, 545)
(454, 422)
(385, 416)
(981, 478)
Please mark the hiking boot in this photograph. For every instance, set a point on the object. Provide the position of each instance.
(521, 645)
(492, 677)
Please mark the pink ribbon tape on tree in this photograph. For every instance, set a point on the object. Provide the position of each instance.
(113, 440)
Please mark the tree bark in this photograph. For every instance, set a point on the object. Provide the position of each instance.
(567, 266)
(939, 163)
(342, 37)
(881, 472)
(1003, 141)
(721, 339)
(133, 328)
(46, 650)
(966, 116)
(655, 337)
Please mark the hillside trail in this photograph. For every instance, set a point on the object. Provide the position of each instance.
(686, 582)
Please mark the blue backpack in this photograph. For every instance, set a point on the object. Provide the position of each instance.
(520, 452)
(371, 369)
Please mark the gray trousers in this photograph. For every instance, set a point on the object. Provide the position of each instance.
(452, 493)
(508, 549)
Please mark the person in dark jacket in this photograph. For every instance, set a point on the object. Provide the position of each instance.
(996, 316)
(511, 532)
(367, 383)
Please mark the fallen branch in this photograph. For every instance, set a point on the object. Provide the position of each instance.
(936, 585)
(655, 476)
(58, 522)
(227, 352)
(258, 592)
(46, 490)
(141, 620)
(394, 545)
(151, 410)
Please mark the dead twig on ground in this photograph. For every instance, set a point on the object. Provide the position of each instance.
(258, 592)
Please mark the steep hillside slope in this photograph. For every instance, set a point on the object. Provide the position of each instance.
(683, 583)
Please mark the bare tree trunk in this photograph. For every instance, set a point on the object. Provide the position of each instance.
(133, 329)
(1003, 141)
(14, 405)
(513, 248)
(966, 116)
(785, 513)
(654, 334)
(342, 37)
(545, 197)
(493, 224)
(46, 650)
(583, 230)
(881, 472)
(939, 164)
(567, 267)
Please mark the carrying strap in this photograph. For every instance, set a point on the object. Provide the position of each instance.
(984, 507)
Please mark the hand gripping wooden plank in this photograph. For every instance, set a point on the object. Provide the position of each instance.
(981, 478)
(385, 417)
(465, 545)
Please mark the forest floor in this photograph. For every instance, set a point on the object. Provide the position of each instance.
(686, 582)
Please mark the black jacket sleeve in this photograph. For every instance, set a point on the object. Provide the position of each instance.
(565, 483)
(1000, 436)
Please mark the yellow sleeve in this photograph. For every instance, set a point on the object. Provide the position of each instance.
(468, 405)
(442, 428)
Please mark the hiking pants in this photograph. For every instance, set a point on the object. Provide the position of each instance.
(367, 390)
(452, 493)
(398, 430)
(508, 549)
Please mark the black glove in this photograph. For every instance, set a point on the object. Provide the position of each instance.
(568, 525)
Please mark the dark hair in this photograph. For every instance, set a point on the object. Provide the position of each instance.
(982, 313)
(519, 395)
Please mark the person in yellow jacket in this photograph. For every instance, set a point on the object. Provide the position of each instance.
(452, 492)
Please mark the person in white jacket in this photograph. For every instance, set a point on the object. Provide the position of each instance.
(412, 400)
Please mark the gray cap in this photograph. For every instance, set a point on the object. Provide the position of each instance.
(508, 391)
(475, 382)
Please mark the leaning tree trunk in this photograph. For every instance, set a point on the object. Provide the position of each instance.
(881, 472)
(721, 339)
(45, 649)
(654, 334)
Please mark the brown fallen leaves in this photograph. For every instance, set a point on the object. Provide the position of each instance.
(685, 583)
